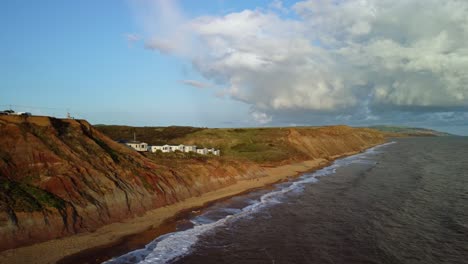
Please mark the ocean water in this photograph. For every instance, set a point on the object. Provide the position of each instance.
(402, 202)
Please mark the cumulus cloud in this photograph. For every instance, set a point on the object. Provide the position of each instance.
(356, 59)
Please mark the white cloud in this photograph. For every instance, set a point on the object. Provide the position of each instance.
(196, 84)
(132, 37)
(407, 55)
(261, 118)
(278, 5)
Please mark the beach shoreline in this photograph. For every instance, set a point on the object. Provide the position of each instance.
(113, 234)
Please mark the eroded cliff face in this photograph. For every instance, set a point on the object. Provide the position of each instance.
(59, 176)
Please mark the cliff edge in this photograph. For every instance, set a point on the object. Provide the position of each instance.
(59, 177)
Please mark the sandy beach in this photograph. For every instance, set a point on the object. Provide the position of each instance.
(54, 250)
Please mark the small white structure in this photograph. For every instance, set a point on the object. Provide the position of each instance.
(22, 113)
(202, 151)
(164, 149)
(177, 147)
(169, 148)
(156, 148)
(182, 148)
(138, 146)
(213, 151)
(190, 148)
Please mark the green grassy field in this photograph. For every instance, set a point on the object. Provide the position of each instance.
(268, 146)
(255, 144)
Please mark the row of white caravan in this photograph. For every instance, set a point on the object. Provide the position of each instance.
(141, 146)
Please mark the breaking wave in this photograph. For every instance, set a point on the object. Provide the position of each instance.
(172, 246)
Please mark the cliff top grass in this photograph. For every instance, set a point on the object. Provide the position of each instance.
(150, 135)
(259, 145)
(409, 131)
(255, 144)
(42, 121)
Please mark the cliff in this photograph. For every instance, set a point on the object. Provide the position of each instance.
(402, 131)
(59, 177)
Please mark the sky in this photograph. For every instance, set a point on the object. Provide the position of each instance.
(229, 63)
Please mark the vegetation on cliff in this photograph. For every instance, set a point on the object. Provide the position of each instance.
(63, 176)
(267, 146)
(152, 135)
(410, 131)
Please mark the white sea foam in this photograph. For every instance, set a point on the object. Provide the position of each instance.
(172, 246)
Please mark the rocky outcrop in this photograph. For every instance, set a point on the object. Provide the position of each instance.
(60, 176)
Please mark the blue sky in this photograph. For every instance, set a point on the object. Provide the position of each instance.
(255, 63)
(60, 55)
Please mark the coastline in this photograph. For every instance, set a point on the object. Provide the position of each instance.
(112, 234)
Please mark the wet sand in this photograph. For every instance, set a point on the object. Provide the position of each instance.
(121, 237)
(140, 240)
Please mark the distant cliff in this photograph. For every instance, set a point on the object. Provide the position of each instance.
(398, 131)
(60, 176)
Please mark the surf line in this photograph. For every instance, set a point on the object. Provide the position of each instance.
(173, 246)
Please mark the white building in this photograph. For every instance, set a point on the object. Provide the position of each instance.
(169, 148)
(202, 151)
(164, 148)
(213, 151)
(155, 148)
(190, 148)
(177, 147)
(138, 146)
(181, 148)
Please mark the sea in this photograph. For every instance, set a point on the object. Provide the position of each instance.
(405, 201)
